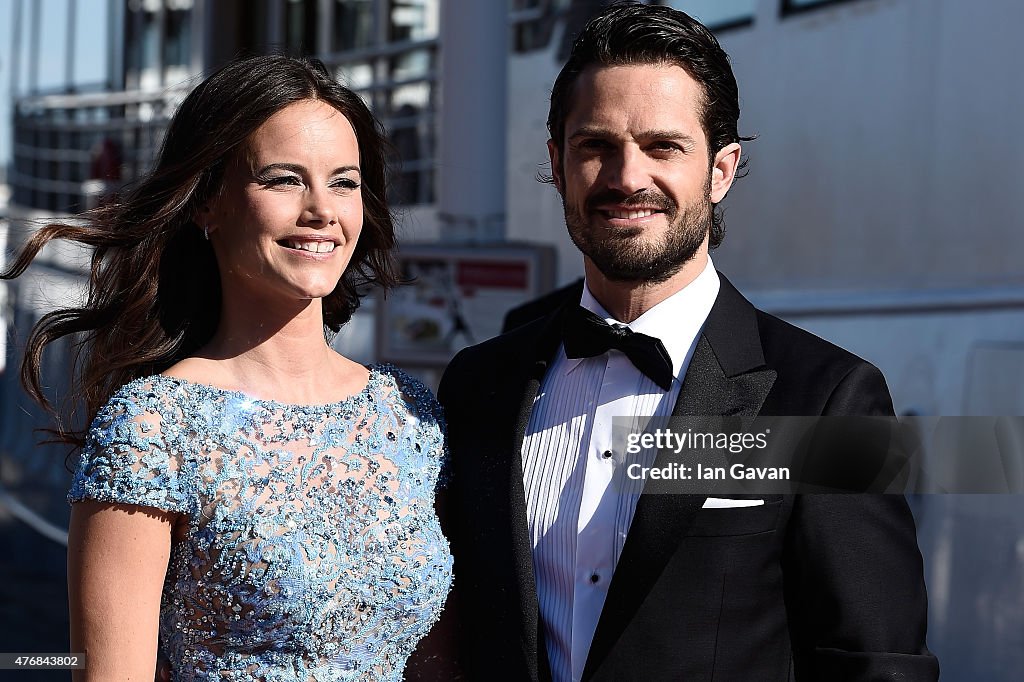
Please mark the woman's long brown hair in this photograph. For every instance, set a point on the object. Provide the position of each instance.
(154, 290)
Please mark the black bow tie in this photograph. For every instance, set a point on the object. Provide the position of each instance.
(586, 335)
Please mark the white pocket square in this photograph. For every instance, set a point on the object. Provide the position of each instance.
(726, 503)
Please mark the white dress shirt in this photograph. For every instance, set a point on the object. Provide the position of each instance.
(578, 520)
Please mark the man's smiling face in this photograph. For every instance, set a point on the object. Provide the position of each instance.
(635, 173)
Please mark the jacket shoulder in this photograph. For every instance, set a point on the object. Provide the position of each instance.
(501, 348)
(815, 376)
(784, 342)
(480, 364)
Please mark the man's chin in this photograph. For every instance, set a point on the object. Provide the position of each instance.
(632, 255)
(615, 228)
(647, 274)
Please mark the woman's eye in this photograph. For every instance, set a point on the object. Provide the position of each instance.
(281, 181)
(345, 183)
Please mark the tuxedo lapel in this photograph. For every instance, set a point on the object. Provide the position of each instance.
(532, 367)
(726, 376)
(708, 390)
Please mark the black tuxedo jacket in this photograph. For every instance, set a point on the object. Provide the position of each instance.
(813, 587)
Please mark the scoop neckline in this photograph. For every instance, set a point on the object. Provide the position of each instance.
(373, 380)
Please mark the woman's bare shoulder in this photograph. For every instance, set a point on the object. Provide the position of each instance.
(198, 370)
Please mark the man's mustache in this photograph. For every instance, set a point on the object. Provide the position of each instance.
(646, 198)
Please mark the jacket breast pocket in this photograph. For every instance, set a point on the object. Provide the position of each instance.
(737, 520)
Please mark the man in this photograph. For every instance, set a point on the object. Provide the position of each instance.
(559, 573)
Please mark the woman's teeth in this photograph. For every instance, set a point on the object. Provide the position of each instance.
(313, 247)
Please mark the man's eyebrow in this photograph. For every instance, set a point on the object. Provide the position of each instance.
(297, 168)
(666, 134)
(591, 131)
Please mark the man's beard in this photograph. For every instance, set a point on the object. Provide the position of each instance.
(623, 255)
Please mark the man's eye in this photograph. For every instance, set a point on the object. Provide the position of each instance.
(594, 144)
(665, 146)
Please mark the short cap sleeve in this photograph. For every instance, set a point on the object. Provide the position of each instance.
(130, 456)
(432, 425)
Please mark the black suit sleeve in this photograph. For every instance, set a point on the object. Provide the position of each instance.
(853, 574)
(446, 396)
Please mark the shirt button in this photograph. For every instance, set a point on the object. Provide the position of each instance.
(595, 578)
(607, 454)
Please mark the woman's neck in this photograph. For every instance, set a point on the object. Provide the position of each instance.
(278, 353)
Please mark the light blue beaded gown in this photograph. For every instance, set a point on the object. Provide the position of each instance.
(312, 549)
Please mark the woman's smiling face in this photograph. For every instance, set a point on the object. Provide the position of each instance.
(289, 214)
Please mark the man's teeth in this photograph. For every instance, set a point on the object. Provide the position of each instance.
(630, 215)
(314, 247)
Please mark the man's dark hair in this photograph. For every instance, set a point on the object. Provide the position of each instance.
(629, 33)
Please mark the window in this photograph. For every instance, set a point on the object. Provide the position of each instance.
(533, 22)
(177, 38)
(413, 20)
(353, 24)
(300, 26)
(795, 6)
(387, 52)
(718, 15)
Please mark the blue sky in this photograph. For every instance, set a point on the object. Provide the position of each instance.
(90, 50)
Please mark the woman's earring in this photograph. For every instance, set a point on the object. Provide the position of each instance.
(206, 232)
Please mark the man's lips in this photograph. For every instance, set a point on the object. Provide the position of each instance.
(634, 210)
(625, 215)
(628, 213)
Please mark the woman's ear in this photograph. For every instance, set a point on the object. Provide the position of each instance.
(203, 218)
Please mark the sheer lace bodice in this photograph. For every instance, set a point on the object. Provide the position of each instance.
(312, 549)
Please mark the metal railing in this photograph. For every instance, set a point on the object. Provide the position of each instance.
(72, 152)
(398, 81)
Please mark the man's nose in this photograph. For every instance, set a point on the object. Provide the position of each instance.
(628, 171)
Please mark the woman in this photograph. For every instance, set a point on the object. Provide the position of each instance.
(253, 500)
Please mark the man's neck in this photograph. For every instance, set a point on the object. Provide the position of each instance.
(626, 301)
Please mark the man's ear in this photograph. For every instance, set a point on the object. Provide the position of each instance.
(723, 170)
(556, 167)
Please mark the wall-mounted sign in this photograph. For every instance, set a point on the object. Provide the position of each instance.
(458, 296)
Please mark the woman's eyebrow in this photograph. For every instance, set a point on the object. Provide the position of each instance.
(300, 169)
(293, 167)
